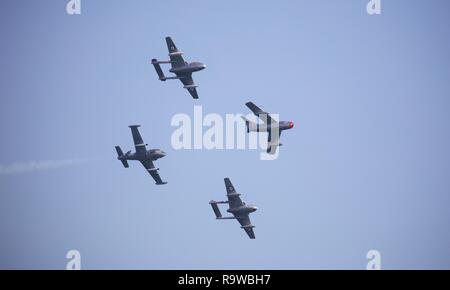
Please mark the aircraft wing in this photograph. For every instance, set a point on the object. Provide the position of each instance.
(246, 225)
(175, 55)
(138, 142)
(233, 197)
(148, 164)
(273, 142)
(264, 116)
(189, 85)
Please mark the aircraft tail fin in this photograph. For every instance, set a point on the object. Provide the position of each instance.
(120, 157)
(158, 69)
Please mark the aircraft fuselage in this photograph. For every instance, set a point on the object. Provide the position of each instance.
(282, 125)
(243, 210)
(152, 154)
(188, 68)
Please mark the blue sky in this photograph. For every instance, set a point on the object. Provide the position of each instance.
(366, 166)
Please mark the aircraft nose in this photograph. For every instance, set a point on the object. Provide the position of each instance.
(203, 65)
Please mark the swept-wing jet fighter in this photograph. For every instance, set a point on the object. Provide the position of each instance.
(239, 209)
(270, 125)
(180, 68)
(146, 157)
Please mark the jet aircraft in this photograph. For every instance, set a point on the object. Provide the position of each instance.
(237, 208)
(270, 125)
(180, 68)
(146, 157)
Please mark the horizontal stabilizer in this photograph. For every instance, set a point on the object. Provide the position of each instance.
(119, 151)
(121, 157)
(161, 183)
(125, 163)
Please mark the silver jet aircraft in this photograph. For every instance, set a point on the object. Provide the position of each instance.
(146, 157)
(270, 126)
(237, 208)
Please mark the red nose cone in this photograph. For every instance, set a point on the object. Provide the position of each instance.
(291, 125)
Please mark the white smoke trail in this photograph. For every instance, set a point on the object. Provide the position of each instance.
(32, 166)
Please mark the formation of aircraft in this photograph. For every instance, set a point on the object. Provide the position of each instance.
(182, 69)
(239, 209)
(271, 126)
(146, 157)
